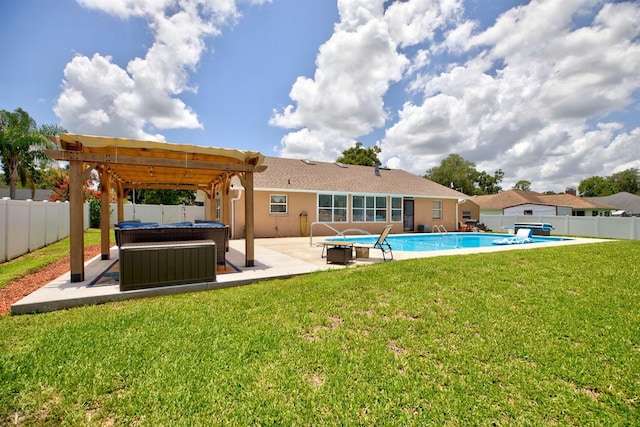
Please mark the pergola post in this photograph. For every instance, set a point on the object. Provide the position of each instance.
(105, 189)
(120, 201)
(249, 219)
(210, 203)
(226, 200)
(76, 219)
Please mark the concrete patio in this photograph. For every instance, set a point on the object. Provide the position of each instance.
(274, 258)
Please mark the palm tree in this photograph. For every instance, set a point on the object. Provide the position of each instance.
(21, 147)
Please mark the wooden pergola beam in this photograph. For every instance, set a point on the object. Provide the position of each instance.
(111, 159)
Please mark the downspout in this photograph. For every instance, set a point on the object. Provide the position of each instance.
(460, 201)
(233, 216)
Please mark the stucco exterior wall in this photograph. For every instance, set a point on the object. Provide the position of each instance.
(294, 224)
(470, 207)
(424, 213)
(290, 224)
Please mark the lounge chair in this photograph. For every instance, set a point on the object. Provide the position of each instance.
(522, 236)
(381, 243)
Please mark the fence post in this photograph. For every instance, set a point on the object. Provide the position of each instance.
(6, 230)
(30, 223)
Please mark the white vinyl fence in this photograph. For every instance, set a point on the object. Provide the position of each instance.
(583, 226)
(27, 225)
(162, 214)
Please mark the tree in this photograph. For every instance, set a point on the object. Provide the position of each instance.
(360, 156)
(460, 174)
(22, 147)
(488, 184)
(596, 186)
(58, 180)
(165, 197)
(523, 185)
(454, 172)
(627, 180)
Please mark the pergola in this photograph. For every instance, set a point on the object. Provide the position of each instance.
(127, 164)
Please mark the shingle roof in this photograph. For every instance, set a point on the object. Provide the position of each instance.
(510, 198)
(294, 174)
(507, 199)
(573, 201)
(630, 203)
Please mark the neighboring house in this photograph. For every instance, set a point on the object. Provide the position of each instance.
(519, 202)
(291, 195)
(25, 193)
(625, 203)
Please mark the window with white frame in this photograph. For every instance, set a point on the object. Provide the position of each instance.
(369, 208)
(437, 209)
(332, 208)
(218, 205)
(396, 209)
(278, 203)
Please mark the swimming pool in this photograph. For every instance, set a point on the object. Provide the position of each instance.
(441, 241)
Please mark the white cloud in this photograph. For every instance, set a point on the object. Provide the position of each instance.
(309, 144)
(526, 96)
(355, 69)
(413, 22)
(100, 97)
(535, 94)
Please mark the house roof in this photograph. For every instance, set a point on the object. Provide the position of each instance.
(573, 201)
(507, 199)
(630, 203)
(305, 175)
(511, 198)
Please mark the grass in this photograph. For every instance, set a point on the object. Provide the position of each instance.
(33, 261)
(536, 337)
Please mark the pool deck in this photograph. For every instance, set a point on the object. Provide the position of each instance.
(274, 258)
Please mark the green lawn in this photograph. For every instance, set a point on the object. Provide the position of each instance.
(547, 336)
(31, 262)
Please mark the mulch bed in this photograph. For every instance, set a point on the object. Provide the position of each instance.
(22, 287)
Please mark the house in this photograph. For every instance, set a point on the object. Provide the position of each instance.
(626, 204)
(520, 202)
(298, 197)
(27, 194)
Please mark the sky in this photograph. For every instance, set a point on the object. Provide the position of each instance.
(547, 91)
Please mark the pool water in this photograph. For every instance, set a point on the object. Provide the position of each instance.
(441, 241)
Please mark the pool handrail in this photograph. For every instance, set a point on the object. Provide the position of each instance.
(338, 232)
(440, 229)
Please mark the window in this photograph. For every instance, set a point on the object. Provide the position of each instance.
(369, 208)
(218, 205)
(528, 212)
(278, 204)
(437, 209)
(396, 209)
(466, 214)
(332, 208)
